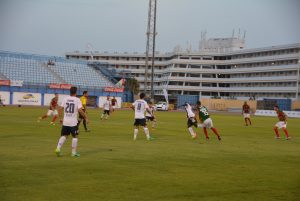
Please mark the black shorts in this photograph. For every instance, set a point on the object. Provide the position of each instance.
(192, 122)
(106, 112)
(150, 118)
(140, 122)
(67, 130)
(80, 116)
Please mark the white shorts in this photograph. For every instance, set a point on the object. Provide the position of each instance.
(281, 124)
(52, 113)
(114, 107)
(246, 115)
(208, 123)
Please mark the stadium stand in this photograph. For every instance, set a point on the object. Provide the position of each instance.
(39, 69)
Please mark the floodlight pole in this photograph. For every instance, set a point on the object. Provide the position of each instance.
(150, 46)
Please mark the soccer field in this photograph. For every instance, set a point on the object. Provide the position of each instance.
(248, 164)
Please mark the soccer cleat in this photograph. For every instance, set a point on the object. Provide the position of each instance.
(207, 138)
(194, 136)
(57, 152)
(151, 138)
(76, 154)
(52, 123)
(219, 138)
(39, 119)
(277, 137)
(288, 138)
(87, 130)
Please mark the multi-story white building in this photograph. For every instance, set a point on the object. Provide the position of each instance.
(218, 69)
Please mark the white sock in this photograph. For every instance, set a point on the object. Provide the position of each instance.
(102, 116)
(74, 145)
(191, 131)
(61, 141)
(146, 130)
(135, 133)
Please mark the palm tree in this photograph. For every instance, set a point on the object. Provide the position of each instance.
(132, 85)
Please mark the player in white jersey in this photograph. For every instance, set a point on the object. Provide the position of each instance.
(191, 120)
(139, 107)
(71, 106)
(150, 115)
(106, 108)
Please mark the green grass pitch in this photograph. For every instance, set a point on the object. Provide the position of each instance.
(249, 164)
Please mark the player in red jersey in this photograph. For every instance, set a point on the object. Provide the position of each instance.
(246, 113)
(281, 124)
(52, 110)
(114, 103)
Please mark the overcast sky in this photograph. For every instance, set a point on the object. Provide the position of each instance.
(54, 27)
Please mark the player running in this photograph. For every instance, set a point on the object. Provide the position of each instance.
(206, 121)
(150, 115)
(1, 102)
(71, 105)
(83, 100)
(246, 113)
(192, 121)
(52, 110)
(281, 124)
(139, 107)
(106, 109)
(114, 103)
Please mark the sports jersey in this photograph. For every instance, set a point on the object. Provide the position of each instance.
(83, 100)
(53, 104)
(281, 115)
(71, 106)
(106, 105)
(152, 109)
(189, 111)
(246, 108)
(113, 101)
(203, 113)
(140, 107)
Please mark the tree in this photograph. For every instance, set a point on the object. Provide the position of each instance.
(132, 85)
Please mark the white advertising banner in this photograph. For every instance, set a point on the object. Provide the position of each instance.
(5, 97)
(102, 99)
(272, 113)
(21, 98)
(48, 98)
(16, 83)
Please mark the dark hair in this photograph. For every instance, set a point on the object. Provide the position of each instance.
(198, 103)
(84, 92)
(142, 95)
(55, 93)
(150, 102)
(276, 106)
(73, 90)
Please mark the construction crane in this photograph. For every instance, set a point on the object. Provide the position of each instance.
(150, 46)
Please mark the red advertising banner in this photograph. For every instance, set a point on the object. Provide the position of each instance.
(60, 86)
(113, 89)
(5, 82)
(65, 86)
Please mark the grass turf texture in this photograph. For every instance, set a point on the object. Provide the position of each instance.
(249, 164)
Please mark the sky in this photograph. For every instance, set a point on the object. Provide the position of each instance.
(53, 27)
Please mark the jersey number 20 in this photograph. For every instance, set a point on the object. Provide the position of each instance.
(70, 108)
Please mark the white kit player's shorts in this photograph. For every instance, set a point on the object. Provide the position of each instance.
(114, 107)
(281, 124)
(208, 123)
(52, 113)
(246, 115)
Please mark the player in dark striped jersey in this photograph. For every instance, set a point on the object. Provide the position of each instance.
(206, 121)
(281, 124)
